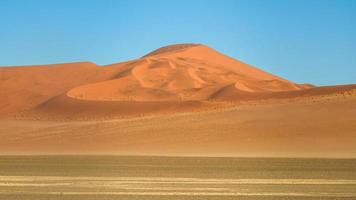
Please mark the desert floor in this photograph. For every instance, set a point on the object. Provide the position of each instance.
(144, 177)
(313, 128)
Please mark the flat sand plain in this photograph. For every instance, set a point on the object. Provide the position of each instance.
(145, 177)
(323, 128)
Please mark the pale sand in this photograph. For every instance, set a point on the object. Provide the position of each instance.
(110, 177)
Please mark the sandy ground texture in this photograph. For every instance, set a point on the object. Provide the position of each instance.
(302, 129)
(125, 177)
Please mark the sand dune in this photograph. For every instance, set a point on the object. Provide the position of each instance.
(187, 72)
(179, 73)
(26, 87)
(185, 99)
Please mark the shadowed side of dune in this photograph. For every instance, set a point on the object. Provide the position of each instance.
(64, 107)
(230, 93)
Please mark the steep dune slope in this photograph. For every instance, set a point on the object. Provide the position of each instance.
(182, 72)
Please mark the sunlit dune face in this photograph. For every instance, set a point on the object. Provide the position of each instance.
(187, 72)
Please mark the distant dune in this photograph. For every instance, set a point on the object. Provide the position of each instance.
(179, 99)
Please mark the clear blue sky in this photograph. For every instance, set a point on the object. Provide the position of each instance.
(302, 40)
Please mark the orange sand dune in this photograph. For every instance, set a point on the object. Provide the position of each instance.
(22, 88)
(180, 73)
(176, 73)
(185, 99)
(169, 79)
